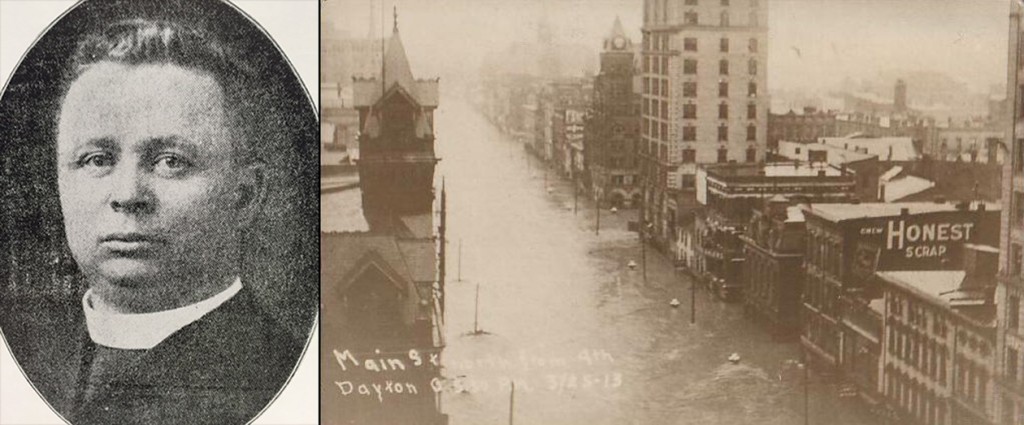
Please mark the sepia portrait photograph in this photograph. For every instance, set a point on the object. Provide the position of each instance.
(672, 212)
(159, 212)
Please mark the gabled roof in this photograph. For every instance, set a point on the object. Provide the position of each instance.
(617, 30)
(397, 73)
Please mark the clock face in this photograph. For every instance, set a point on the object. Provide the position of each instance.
(619, 42)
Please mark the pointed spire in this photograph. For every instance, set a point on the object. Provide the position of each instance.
(617, 30)
(397, 65)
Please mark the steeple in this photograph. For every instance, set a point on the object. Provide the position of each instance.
(617, 30)
(397, 65)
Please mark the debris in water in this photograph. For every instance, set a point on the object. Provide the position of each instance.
(674, 303)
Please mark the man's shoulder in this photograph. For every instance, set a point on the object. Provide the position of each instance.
(237, 342)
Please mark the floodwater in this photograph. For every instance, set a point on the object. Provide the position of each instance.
(584, 338)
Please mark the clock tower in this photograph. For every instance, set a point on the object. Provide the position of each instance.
(614, 124)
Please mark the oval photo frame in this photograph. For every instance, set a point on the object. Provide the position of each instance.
(41, 286)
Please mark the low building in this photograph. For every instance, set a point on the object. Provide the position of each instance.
(808, 126)
(864, 165)
(773, 248)
(969, 143)
(939, 357)
(728, 194)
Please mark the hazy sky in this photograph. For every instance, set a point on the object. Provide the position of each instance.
(965, 39)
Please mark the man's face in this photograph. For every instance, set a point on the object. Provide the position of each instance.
(147, 183)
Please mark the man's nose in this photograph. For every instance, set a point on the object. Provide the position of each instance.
(131, 193)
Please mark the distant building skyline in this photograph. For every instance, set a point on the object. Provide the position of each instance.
(814, 45)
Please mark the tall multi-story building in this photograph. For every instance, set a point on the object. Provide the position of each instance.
(613, 127)
(704, 96)
(1010, 335)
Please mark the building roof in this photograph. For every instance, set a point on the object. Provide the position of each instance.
(885, 148)
(943, 287)
(772, 169)
(841, 212)
(903, 187)
(794, 214)
(800, 151)
(341, 211)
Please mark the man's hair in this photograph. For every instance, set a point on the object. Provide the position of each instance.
(146, 41)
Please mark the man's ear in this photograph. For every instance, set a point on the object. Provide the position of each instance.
(251, 192)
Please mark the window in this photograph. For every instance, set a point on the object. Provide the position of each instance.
(664, 110)
(689, 133)
(752, 45)
(723, 67)
(752, 134)
(689, 155)
(690, 18)
(723, 155)
(690, 44)
(723, 45)
(723, 133)
(689, 66)
(752, 67)
(664, 131)
(752, 89)
(689, 111)
(690, 89)
(723, 111)
(724, 19)
(751, 155)
(752, 112)
(664, 88)
(1018, 207)
(723, 89)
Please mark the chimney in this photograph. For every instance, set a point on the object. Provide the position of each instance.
(963, 206)
(981, 262)
(904, 211)
(981, 206)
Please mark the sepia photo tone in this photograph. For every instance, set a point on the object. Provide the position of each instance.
(159, 216)
(672, 212)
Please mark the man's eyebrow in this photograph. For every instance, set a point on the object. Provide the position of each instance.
(168, 142)
(105, 143)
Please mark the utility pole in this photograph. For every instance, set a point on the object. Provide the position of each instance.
(575, 195)
(597, 205)
(443, 230)
(693, 301)
(511, 403)
(476, 312)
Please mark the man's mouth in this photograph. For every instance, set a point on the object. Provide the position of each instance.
(131, 242)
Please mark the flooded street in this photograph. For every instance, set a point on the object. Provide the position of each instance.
(586, 339)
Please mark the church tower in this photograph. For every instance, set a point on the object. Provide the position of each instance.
(396, 142)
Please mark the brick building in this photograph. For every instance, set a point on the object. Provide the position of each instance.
(808, 126)
(729, 193)
(773, 249)
(848, 243)
(704, 97)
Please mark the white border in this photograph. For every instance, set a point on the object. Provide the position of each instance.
(294, 26)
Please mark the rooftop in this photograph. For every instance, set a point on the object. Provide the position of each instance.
(943, 287)
(835, 155)
(775, 169)
(840, 212)
(885, 148)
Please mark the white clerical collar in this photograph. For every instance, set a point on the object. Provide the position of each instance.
(145, 330)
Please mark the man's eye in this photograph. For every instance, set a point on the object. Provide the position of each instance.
(171, 163)
(97, 160)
